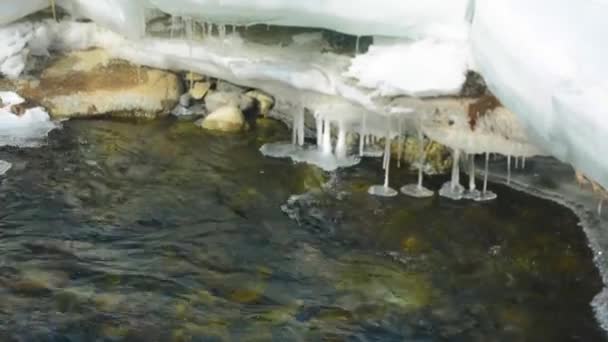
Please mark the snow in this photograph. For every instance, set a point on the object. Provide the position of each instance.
(424, 68)
(27, 130)
(546, 61)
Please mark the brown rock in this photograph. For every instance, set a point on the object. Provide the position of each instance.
(90, 83)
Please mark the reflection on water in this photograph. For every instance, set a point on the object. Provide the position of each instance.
(160, 232)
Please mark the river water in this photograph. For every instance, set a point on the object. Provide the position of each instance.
(158, 231)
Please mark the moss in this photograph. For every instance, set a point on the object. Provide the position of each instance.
(307, 178)
(438, 158)
(269, 130)
(385, 284)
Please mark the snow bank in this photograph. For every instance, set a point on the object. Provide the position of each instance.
(546, 61)
(11, 10)
(27, 130)
(403, 18)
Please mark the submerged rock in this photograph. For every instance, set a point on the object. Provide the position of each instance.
(90, 83)
(265, 101)
(217, 99)
(224, 119)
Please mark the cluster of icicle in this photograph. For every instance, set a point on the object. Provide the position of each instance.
(331, 154)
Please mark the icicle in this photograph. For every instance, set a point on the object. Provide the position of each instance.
(456, 170)
(385, 190)
(486, 195)
(189, 28)
(599, 207)
(523, 162)
(472, 173)
(509, 169)
(54, 9)
(341, 143)
(294, 130)
(222, 31)
(326, 147)
(387, 152)
(319, 122)
(362, 136)
(516, 162)
(297, 132)
(357, 45)
(400, 143)
(301, 128)
(453, 189)
(418, 190)
(385, 159)
(472, 192)
(485, 174)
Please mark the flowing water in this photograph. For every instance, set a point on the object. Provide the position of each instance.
(158, 231)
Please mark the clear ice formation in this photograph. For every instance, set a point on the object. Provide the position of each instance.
(385, 190)
(453, 189)
(418, 190)
(486, 195)
(323, 155)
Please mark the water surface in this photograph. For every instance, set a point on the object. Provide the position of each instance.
(158, 231)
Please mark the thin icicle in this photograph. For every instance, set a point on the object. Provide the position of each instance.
(362, 136)
(599, 207)
(326, 147)
(387, 152)
(357, 45)
(472, 192)
(319, 122)
(509, 169)
(472, 173)
(486, 195)
(523, 162)
(400, 143)
(341, 143)
(456, 170)
(294, 130)
(452, 189)
(516, 162)
(385, 190)
(301, 128)
(386, 157)
(53, 9)
(418, 190)
(297, 133)
(485, 174)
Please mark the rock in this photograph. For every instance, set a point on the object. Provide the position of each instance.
(193, 77)
(438, 159)
(224, 119)
(4, 167)
(199, 90)
(184, 100)
(217, 99)
(265, 101)
(228, 87)
(91, 83)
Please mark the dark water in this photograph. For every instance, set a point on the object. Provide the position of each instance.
(161, 232)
